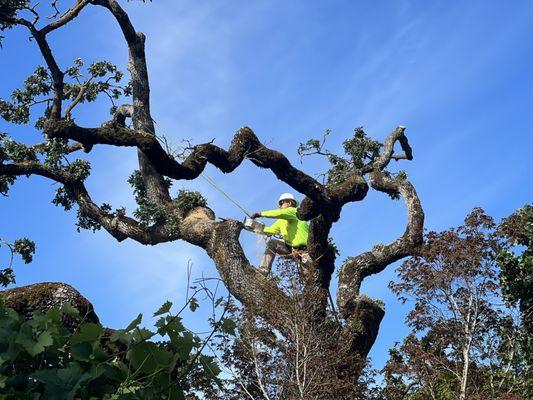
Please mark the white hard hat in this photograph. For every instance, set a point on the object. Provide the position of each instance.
(287, 196)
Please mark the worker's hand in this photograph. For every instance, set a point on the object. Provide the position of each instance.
(256, 215)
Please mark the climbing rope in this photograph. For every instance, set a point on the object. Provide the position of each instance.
(213, 183)
(166, 141)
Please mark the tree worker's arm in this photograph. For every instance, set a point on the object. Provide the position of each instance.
(288, 214)
(273, 229)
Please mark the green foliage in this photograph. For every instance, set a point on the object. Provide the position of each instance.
(188, 200)
(359, 150)
(37, 88)
(54, 151)
(16, 151)
(516, 278)
(149, 212)
(41, 359)
(8, 13)
(51, 153)
(25, 248)
(79, 169)
(88, 87)
(5, 183)
(517, 269)
(100, 77)
(11, 150)
(64, 197)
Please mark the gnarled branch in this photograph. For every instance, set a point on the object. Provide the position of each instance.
(156, 188)
(245, 144)
(371, 262)
(119, 226)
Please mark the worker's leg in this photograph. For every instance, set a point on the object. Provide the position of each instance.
(273, 247)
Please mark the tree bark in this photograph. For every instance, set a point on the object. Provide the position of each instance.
(361, 316)
(43, 296)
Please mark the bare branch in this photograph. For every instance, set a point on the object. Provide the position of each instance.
(68, 16)
(243, 143)
(57, 74)
(156, 188)
(78, 98)
(71, 149)
(358, 268)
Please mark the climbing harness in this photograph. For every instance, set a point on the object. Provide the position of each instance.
(249, 223)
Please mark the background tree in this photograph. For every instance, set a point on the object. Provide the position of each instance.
(517, 277)
(264, 365)
(469, 344)
(162, 218)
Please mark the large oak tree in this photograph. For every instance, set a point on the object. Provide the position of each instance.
(163, 218)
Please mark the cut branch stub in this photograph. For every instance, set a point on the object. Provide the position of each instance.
(43, 296)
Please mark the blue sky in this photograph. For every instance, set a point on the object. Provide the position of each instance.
(456, 74)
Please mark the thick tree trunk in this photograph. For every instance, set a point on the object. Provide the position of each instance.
(350, 338)
(43, 296)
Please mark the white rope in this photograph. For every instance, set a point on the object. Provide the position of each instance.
(203, 174)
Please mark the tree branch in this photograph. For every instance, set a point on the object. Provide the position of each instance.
(119, 226)
(356, 269)
(78, 98)
(156, 187)
(57, 74)
(244, 144)
(198, 227)
(66, 17)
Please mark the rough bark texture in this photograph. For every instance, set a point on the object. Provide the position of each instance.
(43, 296)
(322, 206)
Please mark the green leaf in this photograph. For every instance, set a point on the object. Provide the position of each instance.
(175, 393)
(163, 309)
(212, 369)
(147, 357)
(81, 351)
(62, 384)
(32, 346)
(53, 315)
(193, 304)
(140, 334)
(45, 339)
(89, 332)
(120, 335)
(134, 323)
(184, 345)
(68, 309)
(100, 354)
(228, 326)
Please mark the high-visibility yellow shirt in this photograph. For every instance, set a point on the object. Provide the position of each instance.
(294, 231)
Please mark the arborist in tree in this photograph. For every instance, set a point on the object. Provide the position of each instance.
(294, 232)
